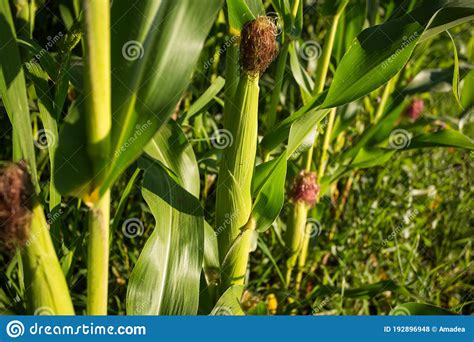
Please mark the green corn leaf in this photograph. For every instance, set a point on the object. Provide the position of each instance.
(171, 261)
(351, 23)
(369, 157)
(268, 191)
(46, 288)
(151, 88)
(355, 14)
(123, 202)
(400, 140)
(153, 56)
(67, 44)
(205, 99)
(229, 303)
(75, 73)
(71, 159)
(49, 135)
(13, 89)
(60, 75)
(265, 250)
(256, 7)
(442, 138)
(211, 263)
(165, 279)
(405, 7)
(467, 92)
(171, 147)
(242, 11)
(304, 127)
(211, 271)
(379, 53)
(419, 309)
(280, 133)
(47, 138)
(371, 290)
(345, 117)
(442, 15)
(66, 15)
(370, 62)
(300, 75)
(426, 80)
(456, 78)
(365, 291)
(380, 130)
(467, 95)
(376, 55)
(46, 60)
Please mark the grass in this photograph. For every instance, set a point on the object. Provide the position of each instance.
(431, 256)
(306, 189)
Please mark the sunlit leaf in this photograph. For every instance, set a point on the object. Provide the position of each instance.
(165, 279)
(229, 303)
(268, 191)
(13, 89)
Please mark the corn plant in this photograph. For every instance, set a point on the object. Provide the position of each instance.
(238, 121)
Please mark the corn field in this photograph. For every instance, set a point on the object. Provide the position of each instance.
(238, 157)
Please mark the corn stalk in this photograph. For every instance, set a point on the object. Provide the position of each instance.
(47, 290)
(297, 238)
(23, 225)
(99, 122)
(280, 73)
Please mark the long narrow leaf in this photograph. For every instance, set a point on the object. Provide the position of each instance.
(165, 279)
(13, 89)
(168, 270)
